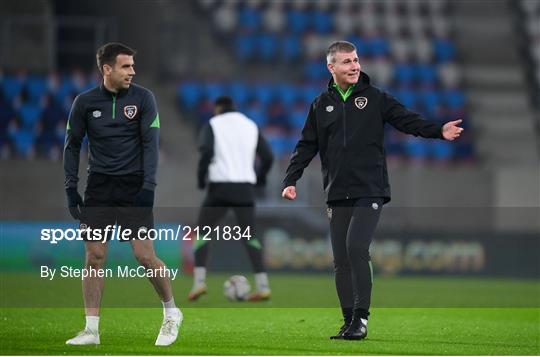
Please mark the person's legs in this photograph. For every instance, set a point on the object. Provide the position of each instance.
(359, 236)
(97, 214)
(209, 216)
(92, 287)
(172, 316)
(245, 216)
(340, 216)
(146, 256)
(212, 211)
(139, 220)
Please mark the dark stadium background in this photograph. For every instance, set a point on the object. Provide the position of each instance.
(469, 208)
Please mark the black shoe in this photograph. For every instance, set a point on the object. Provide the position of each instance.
(356, 331)
(339, 335)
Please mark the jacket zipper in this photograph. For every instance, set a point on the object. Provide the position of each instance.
(114, 106)
(345, 141)
(344, 125)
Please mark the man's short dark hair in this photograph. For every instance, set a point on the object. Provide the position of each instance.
(338, 46)
(107, 53)
(225, 104)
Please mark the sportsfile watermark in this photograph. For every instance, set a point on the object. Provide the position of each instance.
(119, 233)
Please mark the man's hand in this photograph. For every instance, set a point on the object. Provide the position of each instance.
(75, 202)
(145, 198)
(289, 193)
(451, 130)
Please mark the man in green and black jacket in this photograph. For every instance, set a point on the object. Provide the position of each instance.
(121, 121)
(345, 125)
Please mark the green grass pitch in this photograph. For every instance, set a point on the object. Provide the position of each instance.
(411, 316)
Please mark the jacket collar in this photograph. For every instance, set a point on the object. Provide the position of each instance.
(363, 83)
(104, 90)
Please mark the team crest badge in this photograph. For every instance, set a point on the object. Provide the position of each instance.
(96, 113)
(130, 111)
(360, 102)
(329, 108)
(329, 212)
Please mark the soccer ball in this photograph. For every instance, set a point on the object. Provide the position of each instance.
(236, 288)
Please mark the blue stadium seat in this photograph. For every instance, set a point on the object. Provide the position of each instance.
(29, 114)
(257, 113)
(287, 94)
(404, 73)
(12, 87)
(297, 117)
(263, 93)
(213, 90)
(444, 50)
(322, 22)
(308, 94)
(277, 117)
(426, 73)
(36, 87)
(267, 46)
(406, 96)
(297, 20)
(290, 47)
(377, 46)
(239, 92)
(277, 143)
(65, 89)
(249, 19)
(454, 99)
(441, 150)
(416, 148)
(316, 70)
(360, 44)
(23, 142)
(90, 83)
(189, 93)
(245, 46)
(430, 101)
(289, 143)
(51, 115)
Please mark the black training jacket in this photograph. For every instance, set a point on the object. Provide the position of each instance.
(349, 137)
(122, 130)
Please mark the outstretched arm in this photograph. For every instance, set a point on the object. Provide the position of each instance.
(407, 121)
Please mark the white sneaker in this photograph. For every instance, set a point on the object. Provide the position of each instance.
(85, 337)
(197, 291)
(169, 329)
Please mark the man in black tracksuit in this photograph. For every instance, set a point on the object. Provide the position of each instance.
(345, 125)
(229, 145)
(121, 122)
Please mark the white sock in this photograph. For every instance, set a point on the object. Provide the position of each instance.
(92, 323)
(364, 321)
(261, 282)
(169, 307)
(199, 276)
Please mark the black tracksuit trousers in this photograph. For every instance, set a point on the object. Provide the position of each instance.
(352, 226)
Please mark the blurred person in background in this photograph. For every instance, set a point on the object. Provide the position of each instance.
(121, 121)
(345, 124)
(229, 146)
